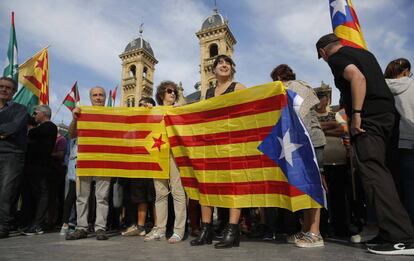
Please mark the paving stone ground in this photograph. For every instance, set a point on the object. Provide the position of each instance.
(52, 246)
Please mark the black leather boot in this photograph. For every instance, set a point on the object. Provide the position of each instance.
(205, 236)
(231, 237)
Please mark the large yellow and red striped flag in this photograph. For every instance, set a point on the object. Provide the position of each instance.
(122, 142)
(216, 142)
(345, 23)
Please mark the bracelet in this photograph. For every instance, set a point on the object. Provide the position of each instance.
(356, 111)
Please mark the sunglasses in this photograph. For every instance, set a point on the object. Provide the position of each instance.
(170, 91)
(34, 113)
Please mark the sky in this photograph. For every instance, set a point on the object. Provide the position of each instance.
(87, 37)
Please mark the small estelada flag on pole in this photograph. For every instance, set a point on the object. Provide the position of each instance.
(72, 98)
(345, 23)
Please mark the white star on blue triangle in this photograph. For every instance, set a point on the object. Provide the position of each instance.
(290, 147)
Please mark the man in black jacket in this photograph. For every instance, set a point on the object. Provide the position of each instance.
(42, 140)
(13, 120)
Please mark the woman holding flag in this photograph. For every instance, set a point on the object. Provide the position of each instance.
(223, 69)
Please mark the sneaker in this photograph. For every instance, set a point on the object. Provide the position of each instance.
(375, 241)
(64, 230)
(309, 240)
(367, 233)
(33, 230)
(292, 239)
(155, 234)
(269, 236)
(101, 235)
(393, 249)
(134, 231)
(77, 234)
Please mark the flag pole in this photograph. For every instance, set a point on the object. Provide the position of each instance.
(57, 111)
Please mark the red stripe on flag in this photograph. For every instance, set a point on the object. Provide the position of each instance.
(351, 25)
(354, 16)
(112, 149)
(273, 103)
(243, 188)
(121, 118)
(96, 164)
(113, 134)
(221, 138)
(349, 43)
(189, 182)
(228, 163)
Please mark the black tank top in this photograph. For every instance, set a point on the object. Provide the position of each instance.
(211, 91)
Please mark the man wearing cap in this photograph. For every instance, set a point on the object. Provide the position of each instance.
(370, 107)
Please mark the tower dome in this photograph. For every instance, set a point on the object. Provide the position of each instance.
(138, 44)
(213, 20)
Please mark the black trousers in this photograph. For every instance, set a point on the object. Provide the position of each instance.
(11, 169)
(370, 150)
(36, 193)
(69, 201)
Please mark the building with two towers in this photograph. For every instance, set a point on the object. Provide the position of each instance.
(138, 61)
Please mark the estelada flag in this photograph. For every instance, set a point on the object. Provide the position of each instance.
(72, 98)
(122, 142)
(216, 147)
(345, 23)
(34, 75)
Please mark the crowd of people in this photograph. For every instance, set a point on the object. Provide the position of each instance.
(364, 150)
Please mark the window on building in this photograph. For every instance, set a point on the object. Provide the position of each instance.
(145, 72)
(132, 102)
(132, 71)
(213, 50)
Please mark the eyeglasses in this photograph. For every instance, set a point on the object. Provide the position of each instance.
(169, 91)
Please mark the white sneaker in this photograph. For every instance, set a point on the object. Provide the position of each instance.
(367, 233)
(292, 239)
(155, 234)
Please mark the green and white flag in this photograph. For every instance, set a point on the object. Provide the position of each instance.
(11, 69)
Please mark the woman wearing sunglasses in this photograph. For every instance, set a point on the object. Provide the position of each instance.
(223, 69)
(167, 94)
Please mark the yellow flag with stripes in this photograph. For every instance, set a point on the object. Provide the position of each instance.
(122, 142)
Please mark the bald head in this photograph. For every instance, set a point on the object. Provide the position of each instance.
(97, 95)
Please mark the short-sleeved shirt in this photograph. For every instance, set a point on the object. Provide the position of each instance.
(378, 97)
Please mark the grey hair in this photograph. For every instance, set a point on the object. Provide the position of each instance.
(97, 87)
(45, 109)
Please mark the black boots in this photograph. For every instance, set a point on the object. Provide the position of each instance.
(205, 236)
(231, 237)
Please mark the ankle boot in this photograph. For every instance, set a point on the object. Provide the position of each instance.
(205, 236)
(231, 237)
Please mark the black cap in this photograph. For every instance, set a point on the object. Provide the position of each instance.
(324, 41)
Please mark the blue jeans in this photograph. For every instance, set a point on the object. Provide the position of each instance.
(406, 158)
(11, 169)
